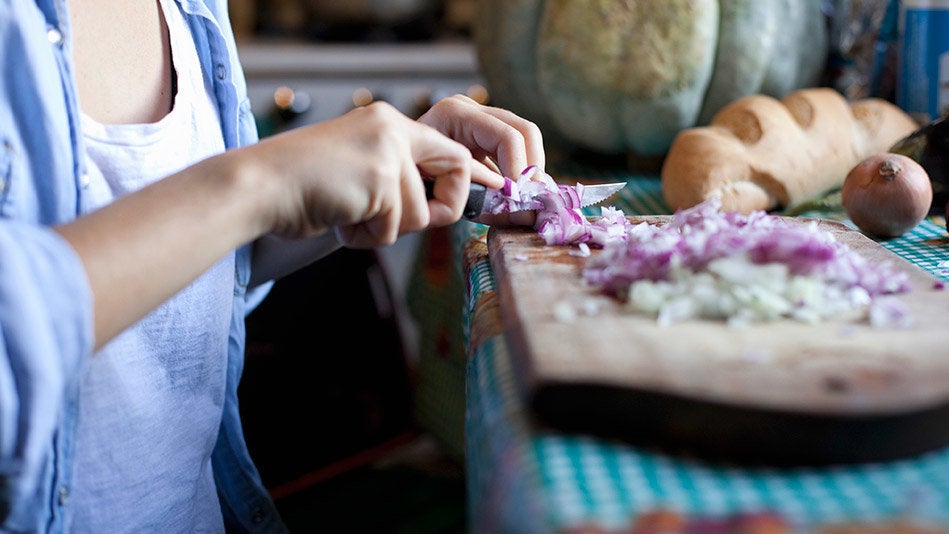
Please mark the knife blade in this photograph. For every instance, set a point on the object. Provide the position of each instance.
(479, 195)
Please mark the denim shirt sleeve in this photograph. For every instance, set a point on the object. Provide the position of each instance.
(46, 318)
(46, 333)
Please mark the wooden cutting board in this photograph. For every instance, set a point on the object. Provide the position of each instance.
(779, 392)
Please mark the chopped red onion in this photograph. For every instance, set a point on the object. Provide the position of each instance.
(820, 276)
(699, 264)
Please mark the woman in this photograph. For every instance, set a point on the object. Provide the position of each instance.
(135, 206)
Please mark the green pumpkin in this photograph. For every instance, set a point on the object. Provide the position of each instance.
(621, 76)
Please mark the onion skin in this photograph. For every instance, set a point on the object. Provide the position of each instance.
(887, 195)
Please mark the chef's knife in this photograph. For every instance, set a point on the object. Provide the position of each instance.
(480, 195)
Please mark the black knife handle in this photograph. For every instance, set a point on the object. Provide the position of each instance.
(475, 198)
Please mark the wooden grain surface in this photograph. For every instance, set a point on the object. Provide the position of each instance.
(837, 368)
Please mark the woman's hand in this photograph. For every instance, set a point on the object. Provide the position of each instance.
(367, 152)
(501, 144)
(361, 174)
(498, 139)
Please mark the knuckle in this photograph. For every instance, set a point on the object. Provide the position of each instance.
(452, 104)
(418, 219)
(531, 128)
(382, 177)
(457, 100)
(380, 110)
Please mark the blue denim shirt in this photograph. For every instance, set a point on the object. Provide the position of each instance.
(46, 323)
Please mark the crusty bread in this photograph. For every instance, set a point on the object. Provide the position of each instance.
(760, 153)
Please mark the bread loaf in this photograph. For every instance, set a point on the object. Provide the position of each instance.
(760, 153)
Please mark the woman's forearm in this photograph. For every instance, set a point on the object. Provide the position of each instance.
(145, 247)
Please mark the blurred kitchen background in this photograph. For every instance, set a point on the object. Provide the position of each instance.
(328, 396)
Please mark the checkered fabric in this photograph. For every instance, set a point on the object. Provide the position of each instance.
(524, 480)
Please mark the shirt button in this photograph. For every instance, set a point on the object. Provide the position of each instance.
(257, 516)
(55, 36)
(84, 180)
(63, 495)
(221, 71)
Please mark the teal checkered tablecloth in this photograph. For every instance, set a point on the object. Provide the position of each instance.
(522, 479)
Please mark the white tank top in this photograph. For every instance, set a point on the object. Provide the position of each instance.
(151, 400)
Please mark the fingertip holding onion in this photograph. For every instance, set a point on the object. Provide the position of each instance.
(887, 195)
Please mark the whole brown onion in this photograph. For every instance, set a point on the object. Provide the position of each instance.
(886, 195)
